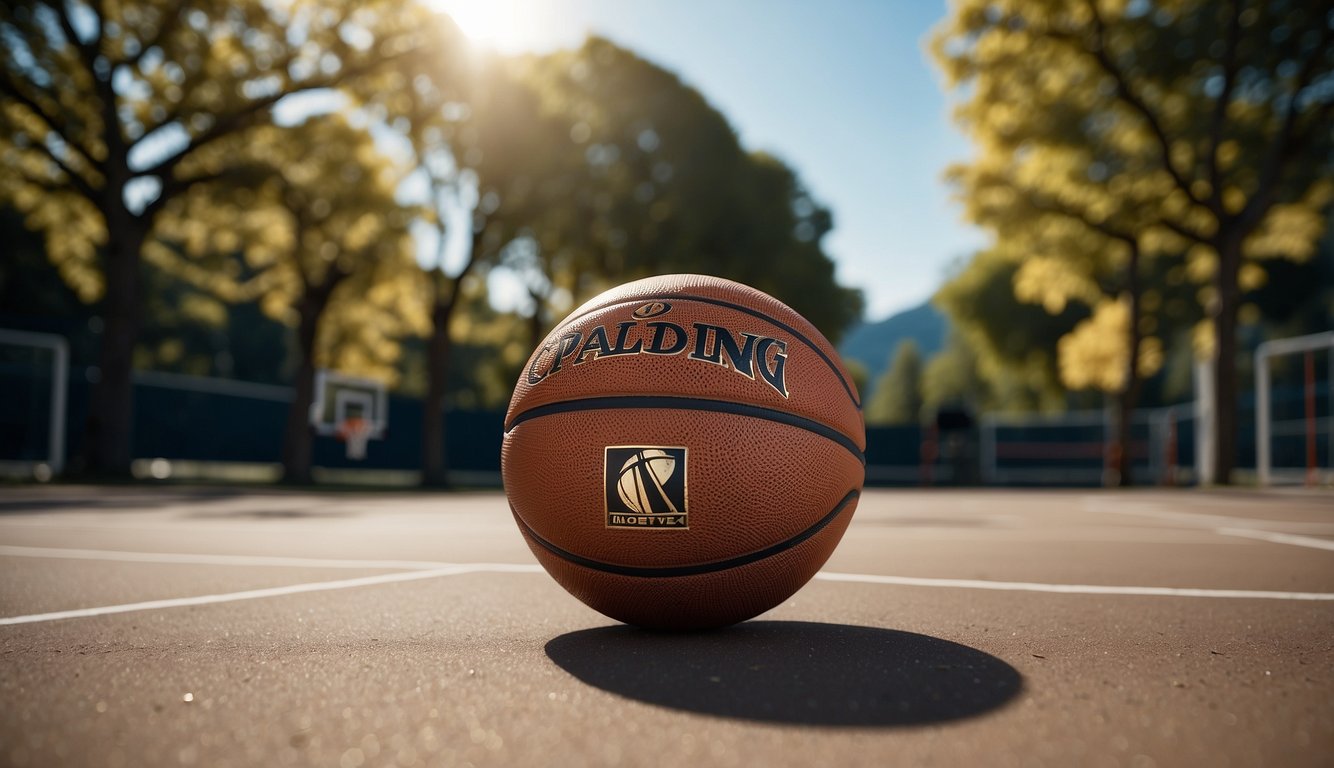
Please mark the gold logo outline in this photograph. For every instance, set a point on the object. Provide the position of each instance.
(685, 490)
(651, 310)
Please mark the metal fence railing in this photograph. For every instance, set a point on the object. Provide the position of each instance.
(183, 419)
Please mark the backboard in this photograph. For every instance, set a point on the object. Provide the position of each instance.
(339, 397)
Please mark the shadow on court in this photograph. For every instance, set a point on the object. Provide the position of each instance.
(119, 499)
(793, 672)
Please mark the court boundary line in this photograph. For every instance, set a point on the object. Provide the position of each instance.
(413, 570)
(1273, 537)
(252, 594)
(183, 558)
(1205, 521)
(1072, 589)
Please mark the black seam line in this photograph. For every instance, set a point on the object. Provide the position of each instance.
(690, 404)
(740, 308)
(693, 570)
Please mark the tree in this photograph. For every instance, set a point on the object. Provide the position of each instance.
(106, 110)
(951, 378)
(1220, 111)
(1014, 342)
(325, 246)
(898, 393)
(519, 167)
(672, 190)
(1082, 244)
(586, 168)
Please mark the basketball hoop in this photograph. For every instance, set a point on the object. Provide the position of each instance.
(355, 432)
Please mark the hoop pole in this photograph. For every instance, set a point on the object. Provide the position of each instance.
(927, 452)
(1170, 471)
(1310, 417)
(987, 447)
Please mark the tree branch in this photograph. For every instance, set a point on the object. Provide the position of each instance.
(87, 51)
(46, 184)
(80, 184)
(173, 187)
(238, 119)
(456, 282)
(9, 88)
(332, 277)
(1127, 94)
(1044, 204)
(1216, 122)
(165, 29)
(1189, 233)
(86, 54)
(1286, 144)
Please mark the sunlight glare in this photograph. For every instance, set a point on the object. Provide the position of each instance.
(507, 26)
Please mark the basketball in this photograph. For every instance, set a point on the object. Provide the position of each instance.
(683, 452)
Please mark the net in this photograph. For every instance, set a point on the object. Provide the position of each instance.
(355, 432)
(33, 379)
(1294, 413)
(1079, 447)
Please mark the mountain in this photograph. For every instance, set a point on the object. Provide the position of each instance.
(874, 343)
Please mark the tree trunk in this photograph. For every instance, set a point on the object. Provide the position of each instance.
(1224, 315)
(109, 427)
(536, 328)
(1127, 400)
(298, 440)
(435, 466)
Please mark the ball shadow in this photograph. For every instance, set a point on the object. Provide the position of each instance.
(792, 672)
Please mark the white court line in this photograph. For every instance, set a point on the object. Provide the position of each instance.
(419, 570)
(251, 594)
(1070, 589)
(202, 559)
(1278, 538)
(1203, 520)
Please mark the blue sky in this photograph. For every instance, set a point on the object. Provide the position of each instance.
(842, 90)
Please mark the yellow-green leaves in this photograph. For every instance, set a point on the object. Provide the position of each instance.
(1096, 354)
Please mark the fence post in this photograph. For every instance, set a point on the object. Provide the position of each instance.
(1262, 456)
(1205, 439)
(1170, 449)
(986, 439)
(1309, 365)
(928, 450)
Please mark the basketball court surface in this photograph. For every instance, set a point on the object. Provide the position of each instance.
(221, 627)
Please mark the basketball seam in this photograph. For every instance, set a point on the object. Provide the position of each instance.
(739, 307)
(692, 404)
(690, 570)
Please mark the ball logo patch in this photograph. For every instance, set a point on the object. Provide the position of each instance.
(645, 486)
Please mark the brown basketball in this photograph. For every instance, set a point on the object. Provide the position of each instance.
(683, 452)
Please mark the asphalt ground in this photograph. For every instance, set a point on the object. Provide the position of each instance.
(213, 627)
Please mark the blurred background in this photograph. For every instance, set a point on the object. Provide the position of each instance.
(1057, 242)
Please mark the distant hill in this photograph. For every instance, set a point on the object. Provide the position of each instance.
(874, 343)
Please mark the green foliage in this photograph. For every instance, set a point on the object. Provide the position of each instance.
(671, 190)
(1014, 341)
(319, 225)
(859, 373)
(898, 393)
(142, 144)
(1192, 130)
(951, 378)
(104, 103)
(110, 113)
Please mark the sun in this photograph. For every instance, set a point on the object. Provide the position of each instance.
(508, 26)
